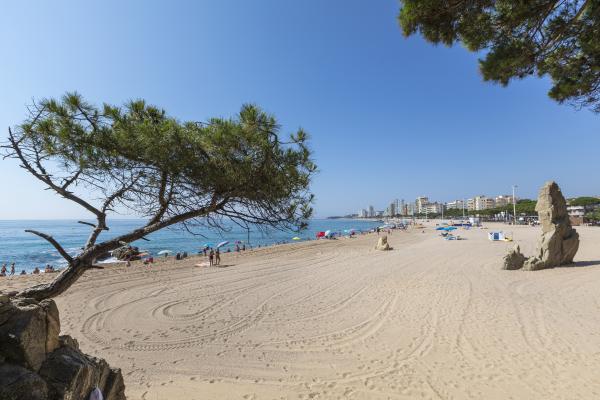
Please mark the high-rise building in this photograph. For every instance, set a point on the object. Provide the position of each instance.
(363, 213)
(421, 203)
(392, 209)
(371, 211)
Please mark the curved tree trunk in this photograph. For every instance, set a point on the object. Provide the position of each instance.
(78, 265)
(62, 282)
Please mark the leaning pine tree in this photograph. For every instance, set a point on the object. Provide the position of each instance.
(136, 157)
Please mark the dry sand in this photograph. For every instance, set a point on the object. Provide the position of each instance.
(431, 319)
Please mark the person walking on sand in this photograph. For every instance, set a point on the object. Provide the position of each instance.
(217, 257)
(211, 257)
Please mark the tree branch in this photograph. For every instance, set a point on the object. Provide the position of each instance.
(44, 177)
(54, 243)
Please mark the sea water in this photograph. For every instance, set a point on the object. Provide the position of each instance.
(28, 251)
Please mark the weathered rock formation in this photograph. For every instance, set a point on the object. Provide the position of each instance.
(559, 242)
(38, 364)
(125, 253)
(382, 244)
(514, 259)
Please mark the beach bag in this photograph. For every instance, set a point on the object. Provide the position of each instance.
(96, 394)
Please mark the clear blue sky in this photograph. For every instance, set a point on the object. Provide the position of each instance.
(389, 117)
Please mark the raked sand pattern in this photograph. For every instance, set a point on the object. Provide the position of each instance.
(430, 319)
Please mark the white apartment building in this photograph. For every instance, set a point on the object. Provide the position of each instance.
(434, 208)
(455, 205)
(471, 204)
(421, 203)
(482, 203)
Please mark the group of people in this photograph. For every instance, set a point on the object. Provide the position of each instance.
(4, 271)
(214, 257)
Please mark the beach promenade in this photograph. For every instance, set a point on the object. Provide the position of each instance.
(431, 319)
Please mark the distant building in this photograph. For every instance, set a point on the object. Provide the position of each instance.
(455, 205)
(503, 200)
(471, 204)
(481, 203)
(421, 204)
(576, 211)
(363, 213)
(371, 212)
(433, 208)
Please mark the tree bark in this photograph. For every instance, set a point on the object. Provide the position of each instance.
(61, 283)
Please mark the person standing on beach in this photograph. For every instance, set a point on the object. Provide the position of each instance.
(211, 256)
(12, 268)
(217, 257)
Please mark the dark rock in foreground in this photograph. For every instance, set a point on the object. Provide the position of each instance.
(38, 364)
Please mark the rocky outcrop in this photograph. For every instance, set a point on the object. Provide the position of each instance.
(514, 259)
(559, 242)
(382, 244)
(36, 363)
(126, 253)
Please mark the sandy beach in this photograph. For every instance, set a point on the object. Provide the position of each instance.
(431, 319)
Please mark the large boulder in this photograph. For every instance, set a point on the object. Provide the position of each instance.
(19, 383)
(382, 244)
(38, 364)
(125, 253)
(559, 242)
(72, 375)
(23, 333)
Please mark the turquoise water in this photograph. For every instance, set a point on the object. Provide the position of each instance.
(29, 251)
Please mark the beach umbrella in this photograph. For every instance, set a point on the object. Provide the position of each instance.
(208, 245)
(440, 228)
(449, 228)
(223, 243)
(164, 252)
(327, 232)
(296, 238)
(320, 234)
